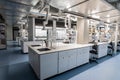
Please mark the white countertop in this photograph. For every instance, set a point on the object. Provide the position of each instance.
(62, 47)
(102, 43)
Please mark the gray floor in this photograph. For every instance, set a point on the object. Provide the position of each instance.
(14, 66)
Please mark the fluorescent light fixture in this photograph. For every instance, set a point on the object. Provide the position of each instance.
(34, 2)
(108, 20)
(20, 22)
(108, 15)
(34, 10)
(95, 16)
(69, 9)
(76, 11)
(68, 5)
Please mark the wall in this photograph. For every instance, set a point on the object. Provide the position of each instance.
(9, 33)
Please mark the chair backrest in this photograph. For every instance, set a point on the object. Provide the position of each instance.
(95, 47)
(111, 43)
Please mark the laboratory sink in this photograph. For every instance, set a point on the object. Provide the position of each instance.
(44, 49)
(35, 45)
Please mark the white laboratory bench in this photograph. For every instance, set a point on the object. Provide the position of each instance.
(55, 61)
(61, 59)
(102, 49)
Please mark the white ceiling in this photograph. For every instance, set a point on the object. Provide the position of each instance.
(14, 10)
(96, 8)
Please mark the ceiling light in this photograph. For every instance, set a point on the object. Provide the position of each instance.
(108, 15)
(69, 9)
(34, 10)
(68, 5)
(68, 15)
(76, 11)
(108, 20)
(95, 16)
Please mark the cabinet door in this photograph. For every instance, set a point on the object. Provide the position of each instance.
(102, 50)
(79, 57)
(67, 60)
(72, 54)
(83, 56)
(63, 61)
(48, 65)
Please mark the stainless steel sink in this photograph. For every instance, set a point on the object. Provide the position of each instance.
(35, 45)
(44, 49)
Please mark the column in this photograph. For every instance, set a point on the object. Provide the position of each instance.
(82, 31)
(31, 29)
(116, 38)
(54, 34)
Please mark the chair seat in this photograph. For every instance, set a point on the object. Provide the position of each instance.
(93, 51)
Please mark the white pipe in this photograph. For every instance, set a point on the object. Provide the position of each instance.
(47, 17)
(116, 38)
(69, 22)
(65, 22)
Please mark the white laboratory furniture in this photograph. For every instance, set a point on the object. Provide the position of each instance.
(102, 49)
(55, 61)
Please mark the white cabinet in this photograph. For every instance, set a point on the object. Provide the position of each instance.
(72, 58)
(67, 60)
(102, 50)
(34, 61)
(48, 65)
(63, 61)
(83, 55)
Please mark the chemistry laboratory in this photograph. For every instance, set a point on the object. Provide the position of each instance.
(59, 39)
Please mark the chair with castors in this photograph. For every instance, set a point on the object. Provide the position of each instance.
(110, 49)
(94, 54)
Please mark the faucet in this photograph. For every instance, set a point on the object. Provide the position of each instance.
(46, 43)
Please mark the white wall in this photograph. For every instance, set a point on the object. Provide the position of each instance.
(9, 33)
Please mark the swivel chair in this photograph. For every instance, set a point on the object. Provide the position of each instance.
(94, 53)
(110, 49)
